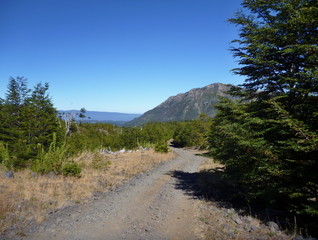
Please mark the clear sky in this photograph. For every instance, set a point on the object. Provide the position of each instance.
(117, 55)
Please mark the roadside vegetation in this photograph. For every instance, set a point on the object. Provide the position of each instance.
(33, 136)
(49, 161)
(268, 141)
(193, 133)
(30, 196)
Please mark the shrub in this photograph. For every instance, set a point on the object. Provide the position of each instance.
(71, 169)
(52, 160)
(163, 148)
(5, 159)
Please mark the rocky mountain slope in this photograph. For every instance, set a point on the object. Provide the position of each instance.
(185, 106)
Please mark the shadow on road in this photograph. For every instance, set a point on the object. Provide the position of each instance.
(210, 186)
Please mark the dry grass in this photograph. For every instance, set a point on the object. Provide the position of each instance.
(28, 196)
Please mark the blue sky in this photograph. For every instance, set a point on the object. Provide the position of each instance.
(117, 55)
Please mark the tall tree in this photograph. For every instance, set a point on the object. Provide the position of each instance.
(17, 91)
(12, 107)
(278, 52)
(28, 121)
(273, 137)
(278, 46)
(40, 117)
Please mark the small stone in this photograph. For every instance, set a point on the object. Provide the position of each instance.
(226, 227)
(9, 174)
(230, 211)
(51, 174)
(237, 219)
(273, 226)
(248, 219)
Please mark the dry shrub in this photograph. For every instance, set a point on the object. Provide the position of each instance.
(30, 196)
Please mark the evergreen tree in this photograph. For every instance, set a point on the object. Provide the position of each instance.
(40, 118)
(270, 141)
(82, 115)
(12, 118)
(17, 91)
(28, 121)
(12, 107)
(279, 53)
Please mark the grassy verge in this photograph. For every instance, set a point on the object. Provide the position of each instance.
(29, 196)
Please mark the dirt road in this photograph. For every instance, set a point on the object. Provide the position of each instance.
(151, 206)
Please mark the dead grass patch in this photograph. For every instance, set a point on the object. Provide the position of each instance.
(29, 196)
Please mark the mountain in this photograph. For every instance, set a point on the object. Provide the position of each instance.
(185, 106)
(105, 117)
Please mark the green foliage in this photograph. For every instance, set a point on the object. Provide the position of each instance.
(269, 142)
(40, 121)
(51, 160)
(193, 133)
(82, 115)
(278, 48)
(266, 149)
(71, 169)
(104, 136)
(5, 158)
(28, 119)
(163, 148)
(32, 135)
(90, 137)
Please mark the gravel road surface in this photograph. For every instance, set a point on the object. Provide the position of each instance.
(150, 206)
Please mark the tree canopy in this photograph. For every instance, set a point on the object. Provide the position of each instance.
(269, 139)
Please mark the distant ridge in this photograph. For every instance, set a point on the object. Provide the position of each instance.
(106, 117)
(185, 106)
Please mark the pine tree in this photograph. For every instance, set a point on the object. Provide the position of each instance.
(278, 52)
(273, 136)
(28, 121)
(40, 118)
(12, 118)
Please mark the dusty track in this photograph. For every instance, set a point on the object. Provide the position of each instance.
(148, 207)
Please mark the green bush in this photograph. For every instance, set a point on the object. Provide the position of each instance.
(193, 133)
(163, 148)
(52, 160)
(5, 159)
(71, 169)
